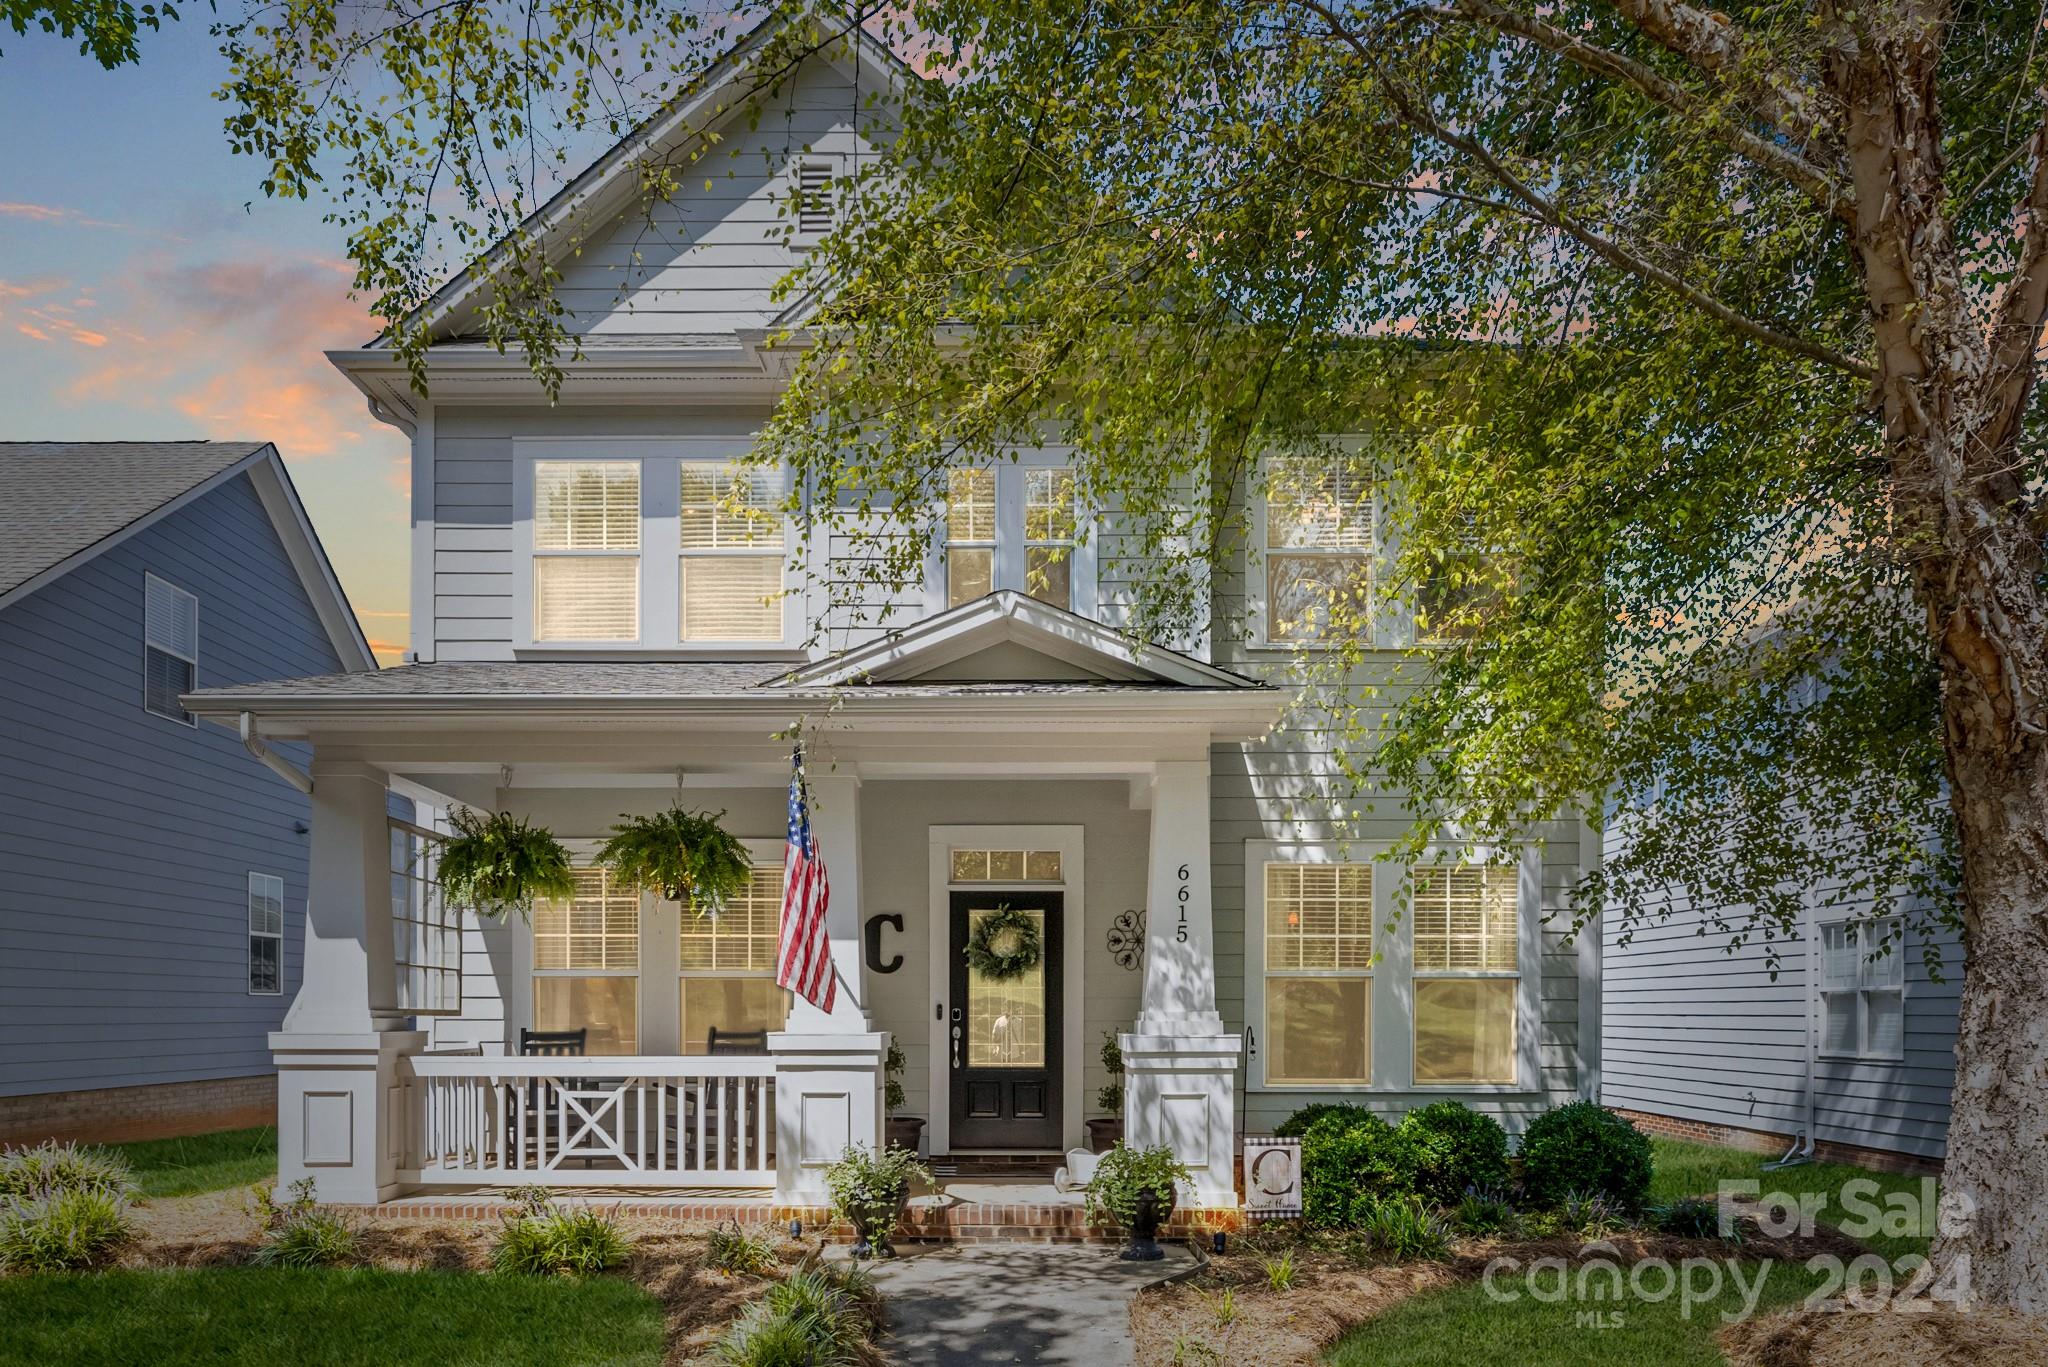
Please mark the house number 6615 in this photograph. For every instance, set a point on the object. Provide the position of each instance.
(1180, 932)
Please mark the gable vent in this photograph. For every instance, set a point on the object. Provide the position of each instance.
(814, 208)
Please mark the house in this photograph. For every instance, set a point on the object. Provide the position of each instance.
(1827, 1053)
(152, 871)
(589, 639)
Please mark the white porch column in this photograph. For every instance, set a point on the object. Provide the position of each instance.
(339, 1087)
(1180, 1066)
(828, 1066)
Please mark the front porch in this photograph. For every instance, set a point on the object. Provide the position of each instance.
(1074, 783)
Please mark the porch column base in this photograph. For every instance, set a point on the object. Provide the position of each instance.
(1178, 1091)
(341, 1111)
(828, 1097)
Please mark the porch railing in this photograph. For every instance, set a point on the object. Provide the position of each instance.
(638, 1121)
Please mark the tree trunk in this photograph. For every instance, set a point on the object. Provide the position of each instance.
(1964, 525)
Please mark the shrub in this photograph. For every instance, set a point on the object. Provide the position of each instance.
(49, 1168)
(1349, 1158)
(1455, 1148)
(1279, 1271)
(1589, 1212)
(737, 1252)
(1691, 1217)
(1585, 1147)
(562, 1243)
(868, 1189)
(1124, 1174)
(813, 1318)
(1404, 1229)
(298, 1233)
(1485, 1210)
(1296, 1125)
(63, 1231)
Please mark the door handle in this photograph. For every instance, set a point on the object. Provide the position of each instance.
(956, 1046)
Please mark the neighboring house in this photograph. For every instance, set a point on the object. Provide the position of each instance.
(591, 635)
(152, 871)
(1835, 1054)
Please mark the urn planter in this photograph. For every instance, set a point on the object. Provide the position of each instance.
(1142, 1244)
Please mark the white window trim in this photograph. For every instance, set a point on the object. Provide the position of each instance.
(1864, 1053)
(1393, 1024)
(188, 719)
(582, 854)
(661, 550)
(1386, 633)
(761, 852)
(1529, 880)
(1009, 545)
(253, 935)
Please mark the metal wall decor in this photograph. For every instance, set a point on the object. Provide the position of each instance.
(1127, 939)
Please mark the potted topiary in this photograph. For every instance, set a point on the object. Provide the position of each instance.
(1106, 1130)
(870, 1190)
(1136, 1188)
(495, 863)
(900, 1131)
(683, 856)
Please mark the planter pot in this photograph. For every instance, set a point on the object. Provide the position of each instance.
(1104, 1131)
(871, 1238)
(902, 1131)
(1150, 1214)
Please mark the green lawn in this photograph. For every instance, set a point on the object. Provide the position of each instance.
(1465, 1324)
(265, 1316)
(203, 1162)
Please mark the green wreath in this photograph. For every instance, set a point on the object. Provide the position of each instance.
(1005, 944)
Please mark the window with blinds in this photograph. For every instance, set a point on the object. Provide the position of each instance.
(1050, 524)
(970, 535)
(586, 546)
(1320, 533)
(733, 546)
(728, 991)
(1317, 942)
(1863, 989)
(266, 935)
(170, 648)
(586, 963)
(1467, 962)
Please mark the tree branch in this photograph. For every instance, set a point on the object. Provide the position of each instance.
(1713, 45)
(1826, 186)
(2022, 309)
(1418, 116)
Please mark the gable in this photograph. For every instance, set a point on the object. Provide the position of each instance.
(1007, 637)
(707, 260)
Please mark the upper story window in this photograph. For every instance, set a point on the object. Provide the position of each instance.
(1320, 538)
(733, 536)
(586, 550)
(170, 648)
(1016, 527)
(651, 544)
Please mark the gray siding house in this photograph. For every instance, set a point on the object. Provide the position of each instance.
(1832, 1055)
(152, 871)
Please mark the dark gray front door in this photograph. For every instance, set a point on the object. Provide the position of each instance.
(1004, 1037)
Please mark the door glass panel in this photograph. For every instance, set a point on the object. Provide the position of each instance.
(1006, 1020)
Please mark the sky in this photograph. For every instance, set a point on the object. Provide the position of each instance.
(148, 289)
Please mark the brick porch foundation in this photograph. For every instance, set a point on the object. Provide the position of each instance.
(158, 1111)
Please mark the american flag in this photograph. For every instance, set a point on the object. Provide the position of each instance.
(803, 959)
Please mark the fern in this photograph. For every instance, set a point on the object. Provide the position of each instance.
(684, 856)
(497, 862)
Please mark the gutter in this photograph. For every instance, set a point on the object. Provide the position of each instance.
(282, 767)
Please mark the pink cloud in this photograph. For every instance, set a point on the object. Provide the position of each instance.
(73, 218)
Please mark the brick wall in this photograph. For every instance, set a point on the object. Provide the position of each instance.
(1764, 1141)
(159, 1111)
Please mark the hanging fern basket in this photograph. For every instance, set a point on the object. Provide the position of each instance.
(1005, 945)
(496, 863)
(684, 856)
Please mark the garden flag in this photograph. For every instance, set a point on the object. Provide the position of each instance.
(803, 958)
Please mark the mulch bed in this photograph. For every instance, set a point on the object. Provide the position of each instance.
(222, 1229)
(1333, 1293)
(1889, 1338)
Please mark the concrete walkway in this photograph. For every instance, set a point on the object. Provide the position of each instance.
(1024, 1303)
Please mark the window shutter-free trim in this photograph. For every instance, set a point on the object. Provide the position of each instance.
(266, 934)
(1862, 1002)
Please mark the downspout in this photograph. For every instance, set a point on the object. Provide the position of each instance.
(1803, 1146)
(278, 764)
